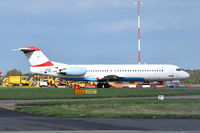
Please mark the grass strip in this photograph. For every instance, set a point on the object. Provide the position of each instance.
(67, 93)
(144, 108)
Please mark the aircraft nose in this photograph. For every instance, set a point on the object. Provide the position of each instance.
(186, 75)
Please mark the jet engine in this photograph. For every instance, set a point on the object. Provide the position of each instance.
(73, 71)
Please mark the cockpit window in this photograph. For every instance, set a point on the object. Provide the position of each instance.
(179, 69)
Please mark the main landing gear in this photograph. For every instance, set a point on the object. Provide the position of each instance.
(103, 85)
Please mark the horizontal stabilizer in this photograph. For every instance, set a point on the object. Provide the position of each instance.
(29, 49)
(26, 50)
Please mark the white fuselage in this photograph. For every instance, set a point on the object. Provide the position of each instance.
(123, 72)
(42, 65)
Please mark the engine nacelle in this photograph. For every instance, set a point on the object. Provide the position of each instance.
(73, 71)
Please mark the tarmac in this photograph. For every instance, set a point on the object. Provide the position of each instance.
(12, 121)
(104, 132)
(17, 122)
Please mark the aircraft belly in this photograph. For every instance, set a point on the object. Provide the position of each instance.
(157, 77)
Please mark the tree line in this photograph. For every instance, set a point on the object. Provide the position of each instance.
(194, 77)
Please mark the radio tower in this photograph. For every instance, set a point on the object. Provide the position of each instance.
(139, 22)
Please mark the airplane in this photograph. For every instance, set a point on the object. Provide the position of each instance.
(103, 74)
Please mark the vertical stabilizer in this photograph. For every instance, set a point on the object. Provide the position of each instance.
(36, 57)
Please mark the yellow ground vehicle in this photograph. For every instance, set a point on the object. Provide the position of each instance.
(5, 82)
(81, 83)
(50, 80)
(26, 81)
(38, 84)
(15, 81)
(42, 81)
(60, 83)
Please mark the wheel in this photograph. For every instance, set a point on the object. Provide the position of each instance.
(43, 86)
(100, 85)
(106, 85)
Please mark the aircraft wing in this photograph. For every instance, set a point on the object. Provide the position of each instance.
(111, 77)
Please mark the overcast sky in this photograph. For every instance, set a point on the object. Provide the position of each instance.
(100, 31)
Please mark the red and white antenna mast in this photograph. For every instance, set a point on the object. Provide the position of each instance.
(139, 24)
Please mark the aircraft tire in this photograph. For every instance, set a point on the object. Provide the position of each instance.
(100, 85)
(106, 85)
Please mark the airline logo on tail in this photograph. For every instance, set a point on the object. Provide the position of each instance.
(36, 57)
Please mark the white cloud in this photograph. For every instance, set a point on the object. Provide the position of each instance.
(161, 14)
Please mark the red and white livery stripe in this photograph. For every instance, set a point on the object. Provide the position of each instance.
(32, 47)
(49, 63)
(139, 23)
(36, 57)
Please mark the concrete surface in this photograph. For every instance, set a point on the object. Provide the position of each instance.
(16, 121)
